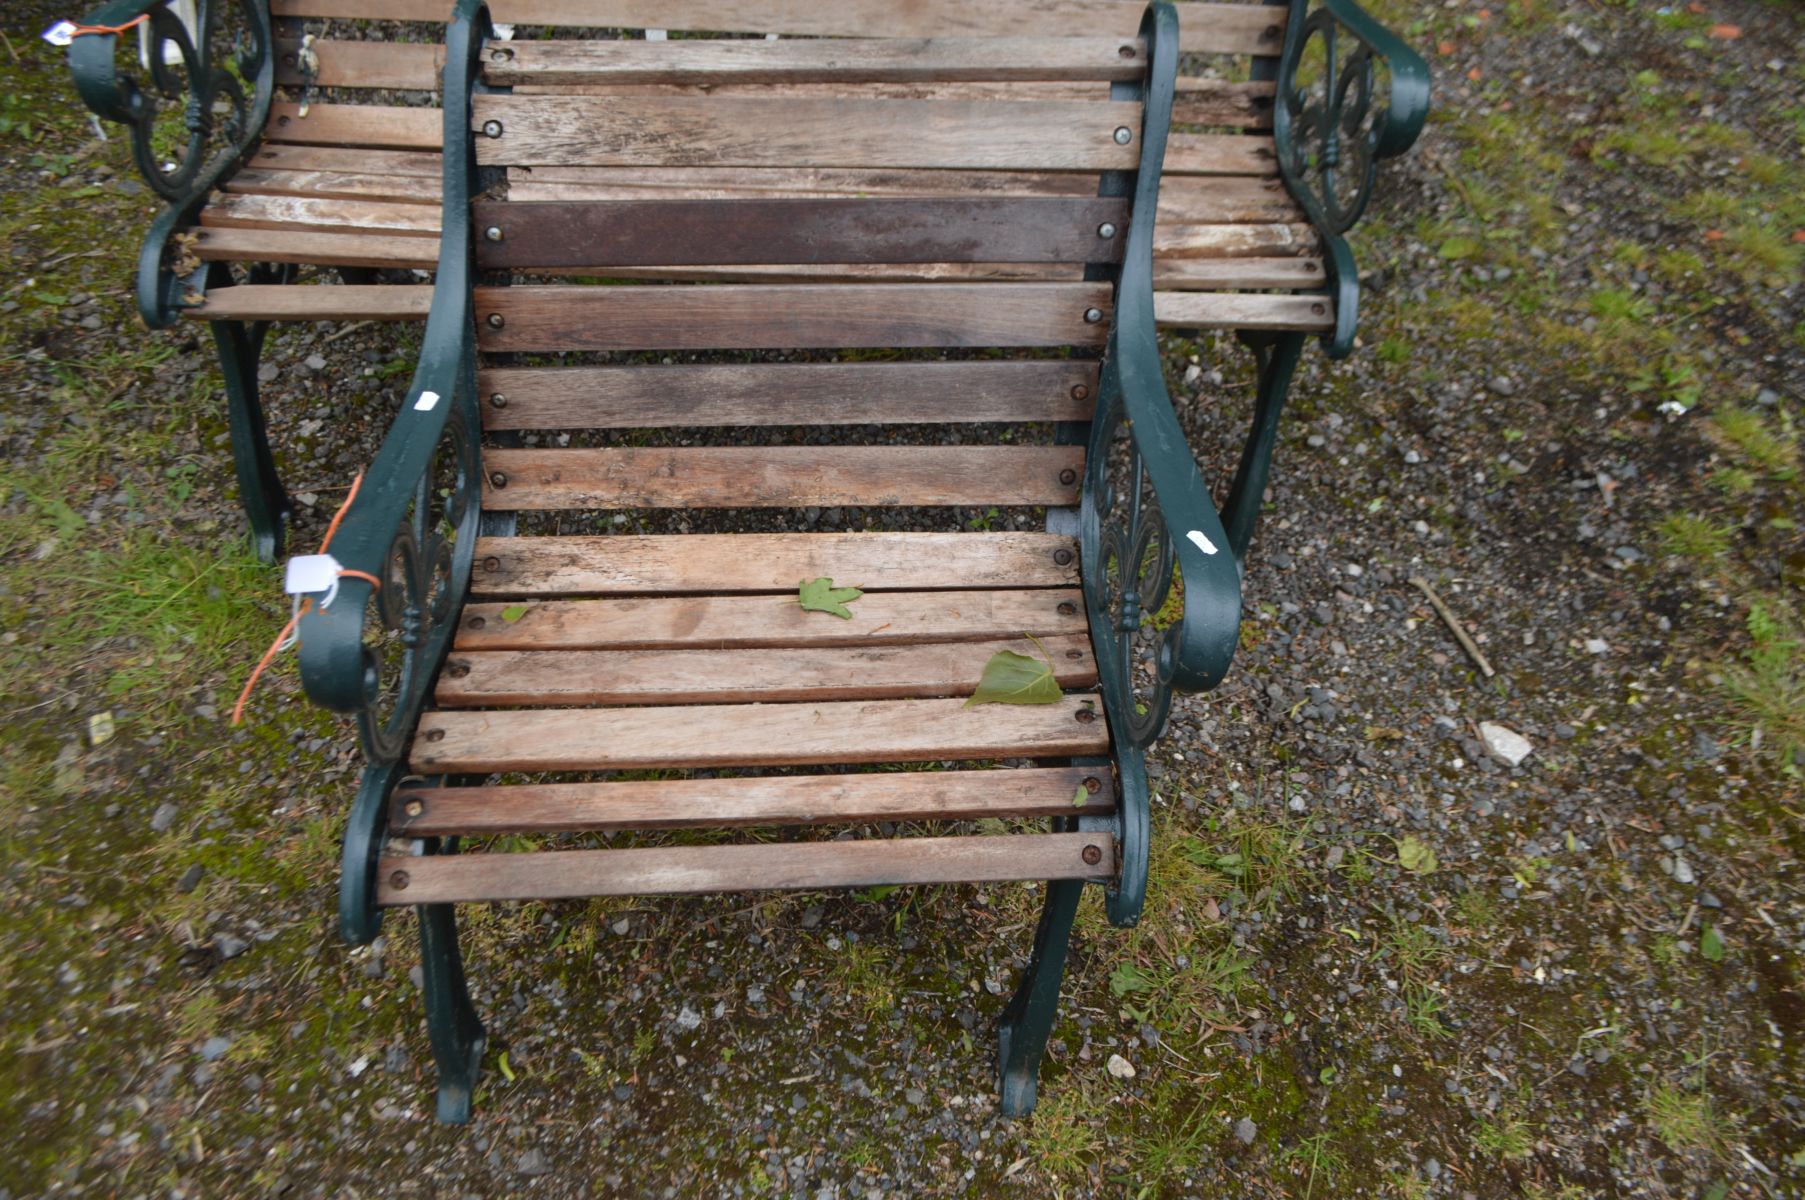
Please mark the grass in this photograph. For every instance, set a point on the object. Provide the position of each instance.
(1504, 1135)
(1689, 535)
(1768, 685)
(1685, 1119)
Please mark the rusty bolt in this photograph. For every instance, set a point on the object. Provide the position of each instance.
(1317, 310)
(1092, 855)
(1068, 477)
(281, 120)
(491, 563)
(1085, 717)
(1126, 52)
(1063, 557)
(1074, 654)
(498, 401)
(498, 479)
(398, 879)
(492, 129)
(500, 55)
(493, 233)
(435, 735)
(288, 60)
(1106, 230)
(414, 808)
(496, 320)
(1270, 32)
(1092, 784)
(478, 622)
(459, 670)
(1310, 266)
(1080, 392)
(1092, 315)
(1124, 135)
(1067, 608)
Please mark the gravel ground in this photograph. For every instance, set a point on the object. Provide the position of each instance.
(1378, 961)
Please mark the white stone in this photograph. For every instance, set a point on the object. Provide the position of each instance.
(1120, 1067)
(1506, 745)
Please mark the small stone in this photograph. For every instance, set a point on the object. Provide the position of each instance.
(915, 1096)
(268, 373)
(1502, 385)
(163, 818)
(688, 1019)
(755, 995)
(1506, 745)
(1412, 458)
(1682, 871)
(1705, 746)
(68, 976)
(191, 878)
(1597, 646)
(1431, 1169)
(215, 1048)
(1628, 554)
(316, 362)
(1120, 1067)
(533, 1163)
(229, 946)
(1245, 1131)
(811, 916)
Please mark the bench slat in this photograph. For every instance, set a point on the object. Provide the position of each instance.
(684, 870)
(748, 394)
(352, 160)
(1217, 274)
(1220, 154)
(420, 190)
(791, 317)
(769, 562)
(371, 126)
(1243, 310)
(310, 215)
(780, 476)
(753, 622)
(317, 249)
(1022, 792)
(743, 131)
(1264, 239)
(590, 677)
(601, 234)
(315, 302)
(754, 735)
(409, 66)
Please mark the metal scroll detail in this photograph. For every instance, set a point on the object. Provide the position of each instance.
(199, 115)
(1349, 94)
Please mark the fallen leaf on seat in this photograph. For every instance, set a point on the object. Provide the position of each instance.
(1011, 678)
(820, 595)
(513, 613)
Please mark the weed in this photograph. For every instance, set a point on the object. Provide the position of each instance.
(1768, 686)
(1423, 1006)
(1685, 1119)
(1064, 1138)
(1317, 1159)
(1688, 535)
(1748, 435)
(1505, 1135)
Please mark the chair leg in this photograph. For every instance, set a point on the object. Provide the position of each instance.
(1022, 1033)
(260, 490)
(451, 1020)
(1277, 355)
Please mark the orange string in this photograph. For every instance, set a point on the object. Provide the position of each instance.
(135, 21)
(306, 606)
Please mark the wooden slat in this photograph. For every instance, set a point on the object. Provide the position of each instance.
(1023, 792)
(682, 870)
(537, 678)
(376, 126)
(786, 394)
(603, 234)
(318, 249)
(383, 64)
(753, 622)
(1219, 102)
(872, 60)
(1217, 274)
(769, 562)
(1203, 27)
(780, 476)
(308, 215)
(1220, 154)
(779, 316)
(1251, 240)
(422, 190)
(741, 131)
(424, 164)
(1242, 310)
(314, 302)
(754, 735)
(847, 273)
(1225, 199)
(708, 183)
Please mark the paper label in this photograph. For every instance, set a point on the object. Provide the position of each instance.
(60, 34)
(426, 401)
(1196, 538)
(308, 573)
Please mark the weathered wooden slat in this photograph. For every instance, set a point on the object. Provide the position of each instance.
(1022, 792)
(780, 476)
(423, 164)
(318, 249)
(786, 394)
(742, 131)
(375, 126)
(314, 302)
(1251, 240)
(1225, 200)
(604, 234)
(1219, 102)
(869, 60)
(1220, 154)
(769, 562)
(843, 273)
(537, 678)
(1210, 28)
(308, 215)
(1220, 274)
(754, 735)
(384, 64)
(683, 870)
(421, 190)
(779, 316)
(762, 622)
(1242, 310)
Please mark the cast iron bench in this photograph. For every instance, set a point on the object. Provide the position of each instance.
(746, 280)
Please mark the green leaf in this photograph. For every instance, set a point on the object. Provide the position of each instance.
(1129, 978)
(1011, 678)
(501, 1064)
(820, 595)
(513, 613)
(1458, 247)
(1080, 796)
(1711, 945)
(1416, 857)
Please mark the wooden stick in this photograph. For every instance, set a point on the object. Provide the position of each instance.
(1454, 625)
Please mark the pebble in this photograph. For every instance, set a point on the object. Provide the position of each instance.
(532, 1162)
(316, 362)
(1682, 871)
(811, 916)
(688, 1019)
(1506, 745)
(1502, 385)
(229, 946)
(1245, 1131)
(1120, 1067)
(1597, 646)
(214, 1048)
(163, 818)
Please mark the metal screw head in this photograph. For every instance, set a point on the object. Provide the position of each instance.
(414, 808)
(496, 320)
(500, 55)
(1080, 392)
(1106, 230)
(1270, 32)
(498, 479)
(459, 670)
(492, 129)
(398, 880)
(1092, 855)
(1126, 51)
(1091, 316)
(1124, 135)
(435, 735)
(491, 564)
(1063, 557)
(493, 233)
(1068, 477)
(478, 622)
(1084, 716)
(498, 401)
(1317, 310)
(1092, 784)
(1067, 608)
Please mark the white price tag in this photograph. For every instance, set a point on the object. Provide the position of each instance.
(60, 34)
(1196, 538)
(426, 401)
(309, 573)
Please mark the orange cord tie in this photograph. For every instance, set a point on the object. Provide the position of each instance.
(304, 604)
(61, 33)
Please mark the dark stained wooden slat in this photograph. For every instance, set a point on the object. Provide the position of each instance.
(314, 302)
(1243, 310)
(375, 126)
(350, 160)
(712, 563)
(304, 214)
(536, 678)
(780, 476)
(780, 316)
(319, 249)
(749, 622)
(682, 870)
(786, 394)
(384, 64)
(754, 735)
(602, 234)
(743, 131)
(751, 801)
(708, 182)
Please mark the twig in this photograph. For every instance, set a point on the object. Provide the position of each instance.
(9, 45)
(1454, 625)
(347, 331)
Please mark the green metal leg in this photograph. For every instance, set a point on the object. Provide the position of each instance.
(1277, 355)
(451, 1020)
(1022, 1033)
(260, 489)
